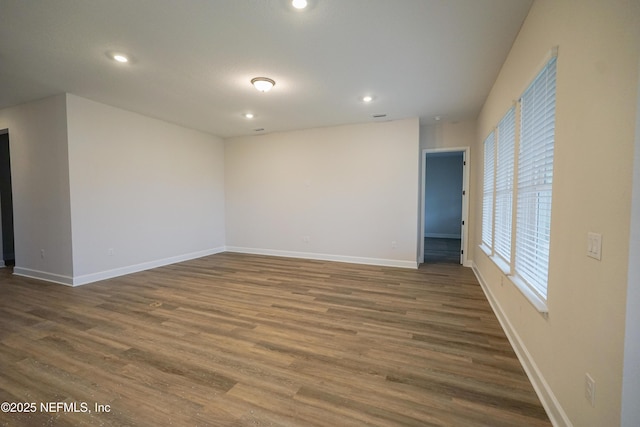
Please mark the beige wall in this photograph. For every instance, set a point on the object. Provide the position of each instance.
(452, 135)
(353, 190)
(448, 135)
(597, 78)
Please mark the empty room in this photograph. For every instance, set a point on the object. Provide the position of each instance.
(320, 213)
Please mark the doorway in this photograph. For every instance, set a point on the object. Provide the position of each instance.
(444, 206)
(6, 201)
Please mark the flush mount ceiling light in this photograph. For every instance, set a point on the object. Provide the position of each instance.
(119, 57)
(263, 84)
(299, 4)
(248, 115)
(367, 98)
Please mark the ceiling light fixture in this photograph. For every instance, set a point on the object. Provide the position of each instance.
(263, 84)
(249, 115)
(119, 57)
(299, 4)
(367, 98)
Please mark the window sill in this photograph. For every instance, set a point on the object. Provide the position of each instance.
(538, 303)
(534, 299)
(502, 264)
(486, 250)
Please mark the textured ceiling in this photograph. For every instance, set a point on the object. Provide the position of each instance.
(193, 59)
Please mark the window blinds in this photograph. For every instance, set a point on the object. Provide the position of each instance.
(504, 184)
(487, 197)
(535, 176)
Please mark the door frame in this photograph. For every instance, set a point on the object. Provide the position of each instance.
(465, 200)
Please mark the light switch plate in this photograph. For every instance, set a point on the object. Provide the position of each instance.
(594, 245)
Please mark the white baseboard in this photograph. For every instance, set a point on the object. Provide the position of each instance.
(42, 275)
(326, 257)
(121, 271)
(554, 410)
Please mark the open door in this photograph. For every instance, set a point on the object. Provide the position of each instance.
(6, 201)
(444, 206)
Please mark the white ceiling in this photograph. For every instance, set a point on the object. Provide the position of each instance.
(193, 59)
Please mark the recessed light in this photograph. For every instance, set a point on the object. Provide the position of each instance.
(367, 98)
(299, 4)
(249, 115)
(263, 84)
(437, 118)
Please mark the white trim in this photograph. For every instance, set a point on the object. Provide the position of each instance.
(121, 271)
(487, 250)
(501, 263)
(465, 199)
(527, 291)
(534, 299)
(325, 257)
(554, 410)
(42, 275)
(551, 53)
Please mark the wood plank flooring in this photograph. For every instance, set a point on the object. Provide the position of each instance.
(441, 250)
(243, 340)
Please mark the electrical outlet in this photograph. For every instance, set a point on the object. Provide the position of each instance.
(110, 251)
(306, 239)
(590, 389)
(41, 253)
(394, 244)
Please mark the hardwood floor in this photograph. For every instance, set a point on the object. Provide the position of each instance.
(441, 250)
(243, 340)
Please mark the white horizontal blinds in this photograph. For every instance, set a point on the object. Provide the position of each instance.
(488, 186)
(504, 184)
(535, 176)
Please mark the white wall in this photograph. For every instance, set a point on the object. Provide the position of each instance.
(597, 79)
(443, 195)
(353, 190)
(143, 192)
(40, 180)
(631, 372)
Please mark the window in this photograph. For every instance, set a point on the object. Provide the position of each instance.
(528, 178)
(535, 177)
(504, 184)
(487, 197)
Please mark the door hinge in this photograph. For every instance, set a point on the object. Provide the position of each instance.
(464, 163)
(464, 192)
(462, 222)
(462, 251)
